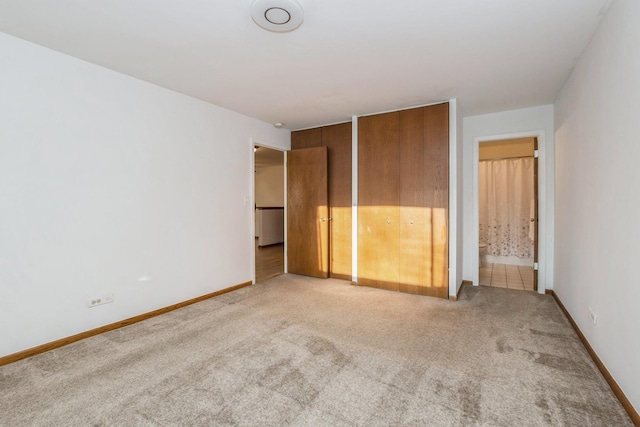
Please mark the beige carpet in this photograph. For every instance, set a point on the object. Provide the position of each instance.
(301, 351)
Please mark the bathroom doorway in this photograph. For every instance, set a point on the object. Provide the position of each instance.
(508, 206)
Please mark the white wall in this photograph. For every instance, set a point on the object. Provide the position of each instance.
(536, 121)
(597, 203)
(270, 186)
(109, 184)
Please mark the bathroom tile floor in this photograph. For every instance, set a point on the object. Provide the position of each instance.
(506, 276)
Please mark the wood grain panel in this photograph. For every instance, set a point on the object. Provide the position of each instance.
(440, 256)
(378, 160)
(436, 190)
(436, 139)
(378, 247)
(269, 261)
(308, 138)
(411, 146)
(378, 201)
(337, 139)
(307, 210)
(415, 217)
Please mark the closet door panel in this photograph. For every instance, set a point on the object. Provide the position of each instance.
(436, 138)
(337, 139)
(378, 157)
(378, 247)
(308, 138)
(378, 201)
(415, 216)
(307, 227)
(440, 273)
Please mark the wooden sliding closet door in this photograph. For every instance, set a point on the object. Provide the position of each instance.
(436, 166)
(337, 139)
(424, 200)
(415, 216)
(403, 172)
(378, 201)
(403, 200)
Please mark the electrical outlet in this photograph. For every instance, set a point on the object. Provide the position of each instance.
(105, 299)
(592, 315)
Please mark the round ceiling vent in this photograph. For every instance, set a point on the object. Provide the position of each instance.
(277, 15)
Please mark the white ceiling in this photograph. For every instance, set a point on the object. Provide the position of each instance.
(349, 57)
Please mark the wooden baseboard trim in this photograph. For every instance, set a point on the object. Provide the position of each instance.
(110, 327)
(626, 404)
(456, 296)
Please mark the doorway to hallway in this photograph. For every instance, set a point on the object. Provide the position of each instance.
(268, 212)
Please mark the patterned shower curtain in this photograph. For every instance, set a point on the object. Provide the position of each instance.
(506, 206)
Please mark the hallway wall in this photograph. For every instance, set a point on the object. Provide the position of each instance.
(597, 203)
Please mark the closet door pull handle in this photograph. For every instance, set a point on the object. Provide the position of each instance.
(388, 221)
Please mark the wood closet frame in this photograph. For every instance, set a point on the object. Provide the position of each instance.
(403, 198)
(337, 139)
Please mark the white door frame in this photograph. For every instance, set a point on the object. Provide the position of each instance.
(543, 221)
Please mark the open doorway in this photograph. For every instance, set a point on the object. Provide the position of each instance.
(269, 212)
(507, 207)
